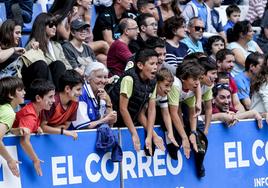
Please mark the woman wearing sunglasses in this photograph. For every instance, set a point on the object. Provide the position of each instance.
(44, 28)
(68, 11)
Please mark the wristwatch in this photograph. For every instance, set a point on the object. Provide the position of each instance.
(194, 132)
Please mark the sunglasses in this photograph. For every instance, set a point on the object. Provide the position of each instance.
(198, 28)
(50, 24)
(222, 86)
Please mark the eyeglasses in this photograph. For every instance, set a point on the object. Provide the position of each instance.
(198, 28)
(153, 24)
(50, 24)
(133, 28)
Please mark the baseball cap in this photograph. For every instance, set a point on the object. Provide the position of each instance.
(78, 24)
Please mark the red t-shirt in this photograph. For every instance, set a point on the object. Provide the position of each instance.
(233, 85)
(117, 57)
(28, 118)
(57, 115)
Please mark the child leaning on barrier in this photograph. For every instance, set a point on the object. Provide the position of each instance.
(11, 95)
(63, 111)
(41, 94)
(133, 90)
(165, 80)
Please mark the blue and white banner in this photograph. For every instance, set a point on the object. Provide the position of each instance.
(67, 163)
(236, 158)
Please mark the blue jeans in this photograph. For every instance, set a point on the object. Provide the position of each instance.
(26, 9)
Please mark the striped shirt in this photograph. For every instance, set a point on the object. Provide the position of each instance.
(255, 10)
(175, 56)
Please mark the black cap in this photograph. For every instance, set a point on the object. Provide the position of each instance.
(78, 24)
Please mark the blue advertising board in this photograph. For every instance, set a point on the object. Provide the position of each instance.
(67, 163)
(236, 158)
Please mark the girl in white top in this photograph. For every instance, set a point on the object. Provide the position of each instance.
(259, 91)
(241, 43)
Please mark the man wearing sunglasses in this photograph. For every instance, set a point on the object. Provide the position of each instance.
(223, 111)
(196, 29)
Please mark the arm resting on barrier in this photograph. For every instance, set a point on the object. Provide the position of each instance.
(177, 121)
(193, 121)
(12, 164)
(57, 130)
(208, 114)
(28, 148)
(237, 104)
(168, 123)
(156, 139)
(123, 108)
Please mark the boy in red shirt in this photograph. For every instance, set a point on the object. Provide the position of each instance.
(63, 111)
(30, 116)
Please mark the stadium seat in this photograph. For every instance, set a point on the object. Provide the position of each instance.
(93, 16)
(37, 9)
(48, 6)
(24, 39)
(3, 15)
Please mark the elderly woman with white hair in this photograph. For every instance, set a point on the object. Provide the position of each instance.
(88, 113)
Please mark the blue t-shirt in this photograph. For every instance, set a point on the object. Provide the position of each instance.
(88, 109)
(243, 85)
(228, 25)
(194, 47)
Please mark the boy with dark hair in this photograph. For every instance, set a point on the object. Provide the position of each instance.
(223, 78)
(132, 91)
(30, 116)
(207, 81)
(148, 28)
(159, 45)
(233, 14)
(147, 6)
(165, 80)
(11, 95)
(187, 81)
(63, 111)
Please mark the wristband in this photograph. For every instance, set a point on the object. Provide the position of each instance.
(194, 132)
(61, 130)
